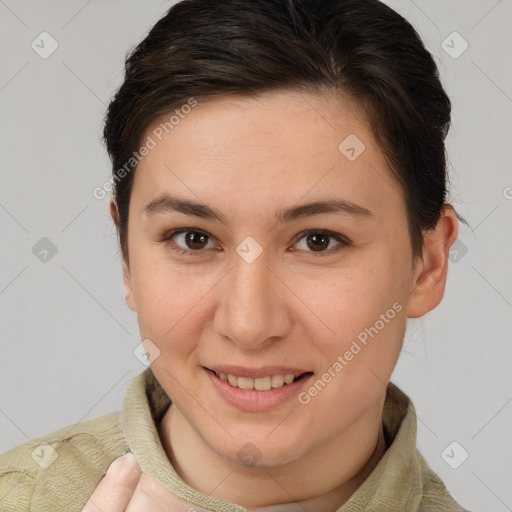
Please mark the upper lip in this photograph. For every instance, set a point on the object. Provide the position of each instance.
(255, 373)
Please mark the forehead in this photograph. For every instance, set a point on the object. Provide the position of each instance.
(278, 145)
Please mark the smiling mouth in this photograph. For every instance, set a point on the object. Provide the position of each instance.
(261, 383)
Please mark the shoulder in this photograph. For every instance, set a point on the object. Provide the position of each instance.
(60, 470)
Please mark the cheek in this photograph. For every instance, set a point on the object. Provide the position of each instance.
(367, 315)
(365, 310)
(358, 299)
(170, 303)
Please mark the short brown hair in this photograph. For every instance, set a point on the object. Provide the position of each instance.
(360, 48)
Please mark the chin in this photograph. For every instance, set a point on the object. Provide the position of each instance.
(259, 452)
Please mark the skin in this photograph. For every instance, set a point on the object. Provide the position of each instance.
(249, 158)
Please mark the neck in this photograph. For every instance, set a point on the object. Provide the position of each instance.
(323, 480)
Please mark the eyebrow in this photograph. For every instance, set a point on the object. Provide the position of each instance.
(168, 204)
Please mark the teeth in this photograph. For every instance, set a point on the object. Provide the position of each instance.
(277, 381)
(263, 383)
(260, 384)
(288, 379)
(245, 383)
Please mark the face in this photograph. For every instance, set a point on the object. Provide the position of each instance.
(294, 259)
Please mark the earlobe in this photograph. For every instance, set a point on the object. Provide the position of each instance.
(432, 268)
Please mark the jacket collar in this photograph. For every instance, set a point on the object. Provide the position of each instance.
(395, 484)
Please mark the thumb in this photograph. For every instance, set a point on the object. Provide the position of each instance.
(117, 486)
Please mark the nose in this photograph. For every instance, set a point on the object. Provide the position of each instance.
(252, 310)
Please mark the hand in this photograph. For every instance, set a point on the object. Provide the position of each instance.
(125, 488)
(115, 490)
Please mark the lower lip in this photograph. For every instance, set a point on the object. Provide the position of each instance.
(251, 400)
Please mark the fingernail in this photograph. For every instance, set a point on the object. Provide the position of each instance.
(127, 460)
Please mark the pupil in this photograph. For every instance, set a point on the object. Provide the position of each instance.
(319, 241)
(193, 238)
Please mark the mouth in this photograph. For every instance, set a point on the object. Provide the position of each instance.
(257, 390)
(263, 383)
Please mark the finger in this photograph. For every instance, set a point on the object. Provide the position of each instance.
(151, 496)
(116, 488)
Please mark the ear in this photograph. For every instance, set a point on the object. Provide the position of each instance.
(432, 267)
(127, 278)
(114, 212)
(128, 289)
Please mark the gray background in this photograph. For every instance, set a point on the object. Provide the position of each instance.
(66, 353)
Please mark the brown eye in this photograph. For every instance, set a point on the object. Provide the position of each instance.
(195, 240)
(320, 242)
(189, 241)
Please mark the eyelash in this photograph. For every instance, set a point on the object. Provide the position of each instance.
(343, 242)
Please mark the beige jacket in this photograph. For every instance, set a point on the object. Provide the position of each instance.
(59, 471)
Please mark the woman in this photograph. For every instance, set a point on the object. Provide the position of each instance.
(279, 182)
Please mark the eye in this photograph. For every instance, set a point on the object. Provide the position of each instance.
(318, 242)
(192, 241)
